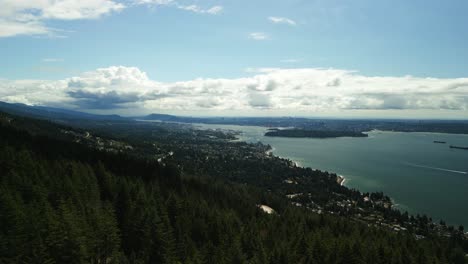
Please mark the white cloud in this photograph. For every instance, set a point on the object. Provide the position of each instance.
(34, 92)
(80, 9)
(112, 87)
(9, 28)
(214, 10)
(21, 17)
(260, 70)
(306, 91)
(282, 20)
(29, 17)
(196, 9)
(258, 36)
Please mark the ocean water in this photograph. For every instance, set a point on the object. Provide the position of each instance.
(421, 177)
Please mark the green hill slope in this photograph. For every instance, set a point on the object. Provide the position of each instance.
(62, 202)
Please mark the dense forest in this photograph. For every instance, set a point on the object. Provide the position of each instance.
(64, 202)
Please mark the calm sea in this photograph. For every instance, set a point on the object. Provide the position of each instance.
(419, 175)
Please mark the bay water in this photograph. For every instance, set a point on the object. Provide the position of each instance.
(422, 177)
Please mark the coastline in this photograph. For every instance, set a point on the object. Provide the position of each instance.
(253, 136)
(340, 179)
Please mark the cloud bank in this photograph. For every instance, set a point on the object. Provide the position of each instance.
(309, 91)
(20, 17)
(29, 17)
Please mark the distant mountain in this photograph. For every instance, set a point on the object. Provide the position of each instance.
(336, 125)
(252, 121)
(52, 113)
(160, 117)
(348, 125)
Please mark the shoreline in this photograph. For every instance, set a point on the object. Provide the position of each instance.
(340, 179)
(344, 182)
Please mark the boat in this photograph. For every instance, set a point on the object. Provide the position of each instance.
(458, 147)
(439, 142)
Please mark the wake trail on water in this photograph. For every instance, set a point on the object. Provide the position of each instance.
(435, 168)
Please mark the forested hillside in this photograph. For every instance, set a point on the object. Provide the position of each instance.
(62, 202)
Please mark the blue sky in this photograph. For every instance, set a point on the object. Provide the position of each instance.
(188, 40)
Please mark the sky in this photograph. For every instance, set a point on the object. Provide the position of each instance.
(315, 58)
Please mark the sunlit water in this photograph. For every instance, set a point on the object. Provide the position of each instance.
(421, 176)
